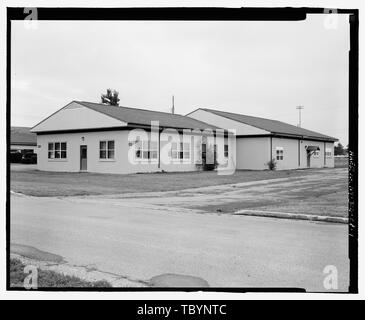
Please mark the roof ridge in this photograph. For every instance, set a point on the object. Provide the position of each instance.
(246, 115)
(219, 112)
(95, 105)
(133, 108)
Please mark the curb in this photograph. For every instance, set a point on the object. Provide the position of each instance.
(285, 215)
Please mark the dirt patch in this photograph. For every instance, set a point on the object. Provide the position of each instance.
(177, 281)
(322, 194)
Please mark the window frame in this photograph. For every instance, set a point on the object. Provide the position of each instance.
(107, 149)
(62, 149)
(226, 152)
(182, 151)
(279, 154)
(145, 147)
(328, 152)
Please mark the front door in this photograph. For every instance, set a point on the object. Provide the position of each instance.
(308, 159)
(204, 153)
(83, 158)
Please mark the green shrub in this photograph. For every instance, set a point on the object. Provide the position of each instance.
(272, 164)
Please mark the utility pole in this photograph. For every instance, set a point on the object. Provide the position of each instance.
(173, 105)
(300, 108)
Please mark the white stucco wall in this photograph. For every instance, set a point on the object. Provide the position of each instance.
(120, 164)
(330, 161)
(317, 162)
(294, 149)
(290, 153)
(253, 153)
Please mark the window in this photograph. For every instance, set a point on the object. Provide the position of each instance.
(138, 149)
(279, 153)
(174, 151)
(145, 152)
(153, 150)
(106, 149)
(328, 152)
(186, 150)
(226, 150)
(145, 149)
(57, 150)
(180, 150)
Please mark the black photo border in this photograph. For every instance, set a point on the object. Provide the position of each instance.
(206, 14)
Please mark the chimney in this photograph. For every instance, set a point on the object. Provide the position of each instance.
(173, 105)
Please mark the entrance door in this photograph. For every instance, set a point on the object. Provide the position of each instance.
(83, 158)
(204, 153)
(308, 159)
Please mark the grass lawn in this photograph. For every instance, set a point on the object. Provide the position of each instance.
(50, 279)
(341, 162)
(41, 183)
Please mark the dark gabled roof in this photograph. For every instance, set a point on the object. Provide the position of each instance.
(134, 116)
(272, 126)
(22, 136)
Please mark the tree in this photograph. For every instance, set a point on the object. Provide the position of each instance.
(111, 97)
(339, 150)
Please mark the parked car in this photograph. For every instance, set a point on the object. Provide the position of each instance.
(29, 158)
(15, 157)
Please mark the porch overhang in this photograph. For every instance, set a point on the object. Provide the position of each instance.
(312, 148)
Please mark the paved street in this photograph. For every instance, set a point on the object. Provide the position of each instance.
(140, 240)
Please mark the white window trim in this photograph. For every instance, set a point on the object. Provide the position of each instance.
(142, 159)
(57, 159)
(224, 151)
(106, 151)
(276, 153)
(153, 160)
(316, 154)
(328, 150)
(178, 150)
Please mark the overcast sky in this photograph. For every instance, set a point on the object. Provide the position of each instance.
(263, 69)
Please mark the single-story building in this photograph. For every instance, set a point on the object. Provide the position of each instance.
(93, 137)
(22, 140)
(258, 140)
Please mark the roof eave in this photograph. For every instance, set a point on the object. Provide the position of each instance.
(304, 137)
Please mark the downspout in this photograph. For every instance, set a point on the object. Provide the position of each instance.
(324, 153)
(271, 148)
(159, 149)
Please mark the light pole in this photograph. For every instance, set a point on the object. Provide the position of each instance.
(299, 108)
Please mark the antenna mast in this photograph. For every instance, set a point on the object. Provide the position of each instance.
(300, 108)
(173, 105)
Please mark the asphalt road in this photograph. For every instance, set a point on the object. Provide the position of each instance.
(141, 241)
